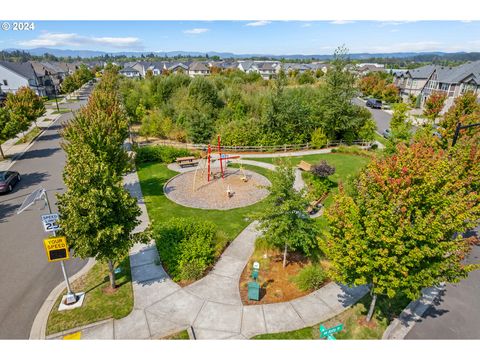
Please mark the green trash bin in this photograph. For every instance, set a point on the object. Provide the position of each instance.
(253, 291)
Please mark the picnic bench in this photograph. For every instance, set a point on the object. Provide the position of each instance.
(186, 161)
(316, 205)
(305, 166)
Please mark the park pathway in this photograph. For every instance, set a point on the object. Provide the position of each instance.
(211, 307)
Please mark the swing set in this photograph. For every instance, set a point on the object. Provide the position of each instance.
(221, 158)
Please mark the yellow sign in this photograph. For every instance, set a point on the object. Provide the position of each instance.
(56, 248)
(74, 336)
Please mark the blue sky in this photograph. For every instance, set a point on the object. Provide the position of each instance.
(261, 37)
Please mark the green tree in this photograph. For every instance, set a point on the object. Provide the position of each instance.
(434, 105)
(400, 115)
(399, 229)
(8, 127)
(97, 214)
(285, 222)
(25, 104)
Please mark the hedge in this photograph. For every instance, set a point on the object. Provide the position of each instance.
(159, 153)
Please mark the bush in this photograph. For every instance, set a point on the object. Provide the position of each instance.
(317, 187)
(319, 138)
(163, 154)
(186, 247)
(323, 170)
(310, 278)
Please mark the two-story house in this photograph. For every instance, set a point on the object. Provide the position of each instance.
(198, 69)
(13, 76)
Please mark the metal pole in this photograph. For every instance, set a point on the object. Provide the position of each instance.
(55, 93)
(62, 263)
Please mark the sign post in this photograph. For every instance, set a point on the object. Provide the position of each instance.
(71, 297)
(328, 333)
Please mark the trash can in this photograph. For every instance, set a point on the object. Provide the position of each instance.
(253, 291)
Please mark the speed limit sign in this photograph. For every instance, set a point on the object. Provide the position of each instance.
(50, 222)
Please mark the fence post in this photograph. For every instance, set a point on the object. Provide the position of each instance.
(284, 148)
(307, 145)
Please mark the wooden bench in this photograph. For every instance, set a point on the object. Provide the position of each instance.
(187, 161)
(315, 204)
(305, 166)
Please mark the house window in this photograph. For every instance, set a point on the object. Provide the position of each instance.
(5, 82)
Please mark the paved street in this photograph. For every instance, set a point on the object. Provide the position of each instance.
(457, 313)
(27, 278)
(381, 117)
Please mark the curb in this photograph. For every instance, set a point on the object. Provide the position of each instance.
(39, 326)
(400, 327)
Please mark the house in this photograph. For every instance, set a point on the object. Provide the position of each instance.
(49, 76)
(177, 67)
(266, 70)
(453, 82)
(198, 69)
(364, 69)
(129, 72)
(246, 66)
(13, 76)
(412, 82)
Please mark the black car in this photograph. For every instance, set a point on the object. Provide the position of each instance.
(7, 180)
(374, 103)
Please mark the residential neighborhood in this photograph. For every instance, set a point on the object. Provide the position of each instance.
(153, 192)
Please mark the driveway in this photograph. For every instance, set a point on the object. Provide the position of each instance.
(26, 276)
(381, 117)
(456, 315)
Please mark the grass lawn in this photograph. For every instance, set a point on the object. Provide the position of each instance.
(380, 139)
(160, 209)
(353, 320)
(29, 136)
(346, 166)
(97, 305)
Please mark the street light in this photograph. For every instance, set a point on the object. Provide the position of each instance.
(457, 131)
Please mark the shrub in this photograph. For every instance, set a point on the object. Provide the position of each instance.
(186, 247)
(310, 278)
(319, 138)
(163, 154)
(322, 169)
(317, 187)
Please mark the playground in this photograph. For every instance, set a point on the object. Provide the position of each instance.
(212, 185)
(237, 188)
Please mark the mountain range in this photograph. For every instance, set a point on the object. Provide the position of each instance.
(226, 55)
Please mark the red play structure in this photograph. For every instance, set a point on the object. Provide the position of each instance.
(209, 155)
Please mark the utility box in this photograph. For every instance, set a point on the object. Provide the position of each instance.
(253, 291)
(254, 274)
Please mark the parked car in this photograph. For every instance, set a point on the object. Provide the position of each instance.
(386, 133)
(374, 103)
(8, 179)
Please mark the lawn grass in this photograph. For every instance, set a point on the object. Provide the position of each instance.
(353, 320)
(346, 167)
(32, 134)
(380, 139)
(160, 209)
(97, 304)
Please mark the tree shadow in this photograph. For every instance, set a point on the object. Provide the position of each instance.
(49, 137)
(33, 154)
(30, 179)
(153, 186)
(7, 210)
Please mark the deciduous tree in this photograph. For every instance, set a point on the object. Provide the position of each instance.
(434, 105)
(399, 231)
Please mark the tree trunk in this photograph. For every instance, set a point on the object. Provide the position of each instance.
(372, 307)
(1, 152)
(111, 274)
(285, 256)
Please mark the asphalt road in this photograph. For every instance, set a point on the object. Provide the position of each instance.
(456, 315)
(26, 277)
(381, 117)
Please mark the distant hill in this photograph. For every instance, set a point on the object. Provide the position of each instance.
(413, 56)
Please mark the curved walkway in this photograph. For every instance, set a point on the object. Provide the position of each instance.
(211, 307)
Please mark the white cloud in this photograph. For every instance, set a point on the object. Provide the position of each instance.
(196, 31)
(395, 23)
(341, 22)
(72, 39)
(304, 25)
(404, 47)
(258, 23)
